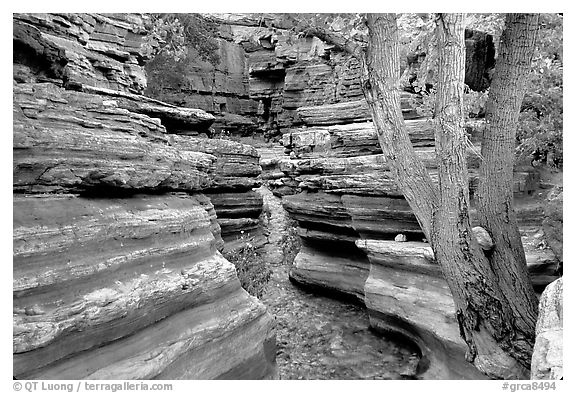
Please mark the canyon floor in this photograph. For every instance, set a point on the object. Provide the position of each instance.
(323, 338)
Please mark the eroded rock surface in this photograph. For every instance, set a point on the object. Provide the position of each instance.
(236, 173)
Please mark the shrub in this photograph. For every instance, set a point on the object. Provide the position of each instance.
(184, 41)
(541, 125)
(251, 268)
(290, 243)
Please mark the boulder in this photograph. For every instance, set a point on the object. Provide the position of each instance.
(483, 238)
(547, 358)
(400, 238)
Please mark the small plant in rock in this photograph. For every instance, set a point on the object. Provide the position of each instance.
(290, 243)
(251, 268)
(224, 135)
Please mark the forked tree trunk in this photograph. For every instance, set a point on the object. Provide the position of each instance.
(494, 198)
(496, 315)
(485, 315)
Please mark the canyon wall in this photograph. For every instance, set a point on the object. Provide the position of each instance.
(266, 75)
(119, 216)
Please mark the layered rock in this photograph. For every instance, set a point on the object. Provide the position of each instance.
(177, 120)
(547, 359)
(235, 175)
(96, 277)
(405, 293)
(117, 273)
(350, 112)
(270, 79)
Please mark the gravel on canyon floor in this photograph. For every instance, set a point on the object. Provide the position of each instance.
(324, 338)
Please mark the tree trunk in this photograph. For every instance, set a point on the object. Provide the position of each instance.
(494, 195)
(484, 314)
(380, 82)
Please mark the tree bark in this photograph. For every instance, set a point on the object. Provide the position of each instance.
(495, 193)
(380, 82)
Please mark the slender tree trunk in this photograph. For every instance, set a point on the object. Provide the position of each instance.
(381, 85)
(494, 196)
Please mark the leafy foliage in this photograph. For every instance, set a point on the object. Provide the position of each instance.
(290, 243)
(252, 270)
(541, 124)
(184, 39)
(540, 127)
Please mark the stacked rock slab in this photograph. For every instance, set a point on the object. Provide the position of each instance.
(339, 189)
(117, 273)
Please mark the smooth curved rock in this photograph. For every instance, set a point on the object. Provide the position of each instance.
(483, 238)
(112, 283)
(331, 270)
(143, 292)
(406, 294)
(547, 360)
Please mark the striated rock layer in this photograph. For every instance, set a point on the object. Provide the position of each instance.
(117, 270)
(235, 175)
